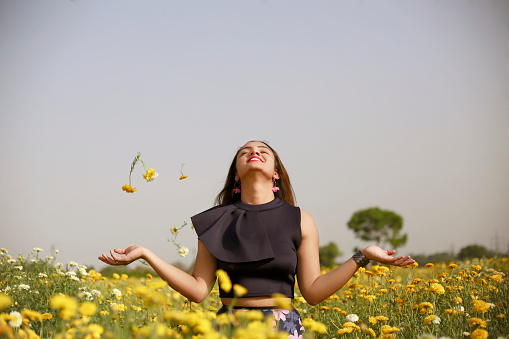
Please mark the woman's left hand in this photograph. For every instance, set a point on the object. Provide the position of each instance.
(377, 254)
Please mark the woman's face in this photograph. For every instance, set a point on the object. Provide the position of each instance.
(256, 156)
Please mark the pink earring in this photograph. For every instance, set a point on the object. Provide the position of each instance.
(275, 188)
(236, 187)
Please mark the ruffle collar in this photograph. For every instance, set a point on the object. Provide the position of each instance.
(235, 233)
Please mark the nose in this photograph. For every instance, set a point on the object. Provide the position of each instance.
(254, 151)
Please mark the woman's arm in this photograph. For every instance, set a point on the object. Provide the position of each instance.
(194, 286)
(316, 287)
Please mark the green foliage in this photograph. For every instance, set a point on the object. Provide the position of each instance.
(473, 251)
(328, 254)
(382, 226)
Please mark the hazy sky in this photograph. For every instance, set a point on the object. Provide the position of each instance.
(402, 105)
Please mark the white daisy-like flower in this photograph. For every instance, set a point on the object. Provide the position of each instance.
(24, 287)
(86, 295)
(437, 320)
(34, 260)
(16, 319)
(70, 274)
(75, 278)
(56, 251)
(117, 292)
(466, 334)
(42, 275)
(11, 261)
(49, 257)
(73, 264)
(183, 251)
(426, 336)
(19, 267)
(37, 249)
(491, 305)
(352, 317)
(96, 292)
(459, 308)
(3, 250)
(83, 271)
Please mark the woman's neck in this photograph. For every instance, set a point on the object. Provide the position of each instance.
(256, 192)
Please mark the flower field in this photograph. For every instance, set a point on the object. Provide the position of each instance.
(41, 298)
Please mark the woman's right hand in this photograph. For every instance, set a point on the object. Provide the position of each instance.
(128, 255)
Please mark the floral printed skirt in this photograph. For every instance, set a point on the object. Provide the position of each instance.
(284, 320)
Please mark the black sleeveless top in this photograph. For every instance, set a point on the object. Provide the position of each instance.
(255, 244)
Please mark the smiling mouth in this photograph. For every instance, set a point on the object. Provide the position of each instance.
(255, 159)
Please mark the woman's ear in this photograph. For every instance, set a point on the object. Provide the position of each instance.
(276, 175)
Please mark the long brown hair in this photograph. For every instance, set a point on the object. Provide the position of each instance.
(285, 192)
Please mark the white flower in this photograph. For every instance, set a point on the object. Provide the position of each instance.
(49, 257)
(42, 275)
(117, 292)
(37, 249)
(183, 251)
(34, 260)
(96, 292)
(16, 319)
(436, 320)
(459, 308)
(491, 305)
(86, 295)
(426, 336)
(73, 263)
(75, 278)
(71, 274)
(59, 264)
(3, 250)
(83, 271)
(56, 251)
(466, 334)
(352, 317)
(24, 287)
(19, 267)
(11, 261)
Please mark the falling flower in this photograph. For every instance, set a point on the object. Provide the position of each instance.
(150, 175)
(182, 173)
(183, 251)
(127, 188)
(16, 319)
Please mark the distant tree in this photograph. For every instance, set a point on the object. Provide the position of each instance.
(382, 226)
(473, 251)
(328, 254)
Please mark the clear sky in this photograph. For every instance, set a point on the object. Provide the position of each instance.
(402, 105)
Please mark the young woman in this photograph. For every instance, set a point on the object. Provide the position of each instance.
(257, 235)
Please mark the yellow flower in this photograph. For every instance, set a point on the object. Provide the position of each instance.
(282, 301)
(67, 305)
(127, 188)
(432, 318)
(5, 301)
(351, 325)
(183, 177)
(371, 332)
(457, 300)
(452, 266)
(314, 326)
(496, 277)
(88, 308)
(480, 306)
(429, 265)
(239, 290)
(437, 288)
(224, 280)
(47, 316)
(32, 315)
(476, 321)
(479, 334)
(150, 175)
(95, 330)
